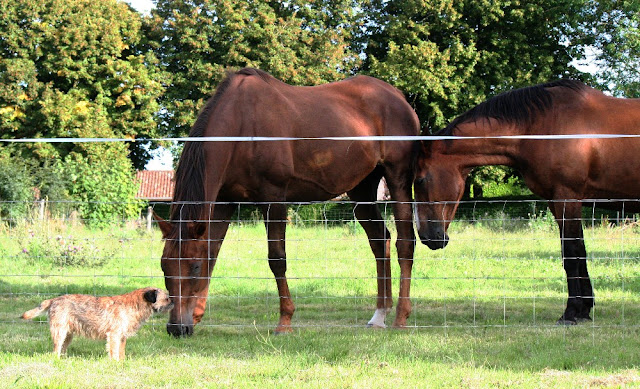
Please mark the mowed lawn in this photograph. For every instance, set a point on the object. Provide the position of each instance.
(484, 312)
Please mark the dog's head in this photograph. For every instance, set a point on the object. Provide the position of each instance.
(159, 300)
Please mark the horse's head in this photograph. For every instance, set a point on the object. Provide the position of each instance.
(438, 187)
(185, 265)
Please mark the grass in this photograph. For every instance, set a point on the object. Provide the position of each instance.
(483, 315)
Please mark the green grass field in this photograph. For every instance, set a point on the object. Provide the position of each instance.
(484, 311)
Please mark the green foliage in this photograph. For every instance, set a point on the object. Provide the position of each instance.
(450, 55)
(496, 181)
(73, 68)
(104, 183)
(616, 47)
(543, 220)
(16, 186)
(100, 179)
(418, 47)
(22, 182)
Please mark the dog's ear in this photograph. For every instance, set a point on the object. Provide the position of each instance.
(151, 295)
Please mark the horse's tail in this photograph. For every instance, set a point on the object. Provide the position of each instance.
(39, 310)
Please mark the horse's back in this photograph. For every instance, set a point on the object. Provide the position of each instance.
(587, 167)
(256, 104)
(356, 106)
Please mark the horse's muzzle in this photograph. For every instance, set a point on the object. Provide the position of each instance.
(435, 241)
(179, 330)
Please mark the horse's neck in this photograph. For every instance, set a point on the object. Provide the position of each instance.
(473, 152)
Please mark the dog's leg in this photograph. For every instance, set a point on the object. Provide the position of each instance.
(59, 337)
(66, 342)
(113, 348)
(116, 343)
(123, 343)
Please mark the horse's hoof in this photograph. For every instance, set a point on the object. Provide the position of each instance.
(565, 322)
(584, 319)
(375, 325)
(283, 331)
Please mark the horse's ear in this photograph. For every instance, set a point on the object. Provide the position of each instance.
(164, 225)
(196, 229)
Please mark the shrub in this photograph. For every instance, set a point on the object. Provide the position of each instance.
(63, 251)
(16, 187)
(104, 184)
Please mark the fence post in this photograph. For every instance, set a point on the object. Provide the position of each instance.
(149, 218)
(41, 210)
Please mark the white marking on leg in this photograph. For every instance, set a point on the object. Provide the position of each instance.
(377, 321)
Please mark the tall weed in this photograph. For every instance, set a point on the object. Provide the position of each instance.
(55, 248)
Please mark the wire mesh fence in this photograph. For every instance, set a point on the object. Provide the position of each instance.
(502, 268)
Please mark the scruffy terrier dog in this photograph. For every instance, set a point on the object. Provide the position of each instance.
(114, 318)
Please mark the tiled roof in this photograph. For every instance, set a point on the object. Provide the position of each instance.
(155, 185)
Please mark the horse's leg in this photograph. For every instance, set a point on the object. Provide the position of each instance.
(218, 226)
(275, 219)
(588, 300)
(373, 224)
(401, 193)
(574, 257)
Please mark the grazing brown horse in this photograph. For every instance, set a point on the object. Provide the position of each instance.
(250, 103)
(564, 171)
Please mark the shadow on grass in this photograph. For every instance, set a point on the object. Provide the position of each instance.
(499, 323)
(229, 331)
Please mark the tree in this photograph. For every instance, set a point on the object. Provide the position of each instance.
(616, 46)
(69, 65)
(103, 183)
(16, 187)
(73, 68)
(23, 180)
(299, 42)
(449, 55)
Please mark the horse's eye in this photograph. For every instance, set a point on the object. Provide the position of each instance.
(421, 180)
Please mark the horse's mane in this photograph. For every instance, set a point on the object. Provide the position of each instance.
(519, 106)
(188, 196)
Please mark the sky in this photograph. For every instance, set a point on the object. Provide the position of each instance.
(142, 6)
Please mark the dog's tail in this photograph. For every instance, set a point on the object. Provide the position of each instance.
(43, 307)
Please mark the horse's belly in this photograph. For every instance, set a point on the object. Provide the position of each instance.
(292, 191)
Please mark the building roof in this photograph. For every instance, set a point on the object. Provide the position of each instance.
(155, 185)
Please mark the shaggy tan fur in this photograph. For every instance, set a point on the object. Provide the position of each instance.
(114, 318)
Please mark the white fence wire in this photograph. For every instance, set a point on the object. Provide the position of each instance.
(502, 267)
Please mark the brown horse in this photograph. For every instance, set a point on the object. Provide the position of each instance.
(251, 103)
(564, 171)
